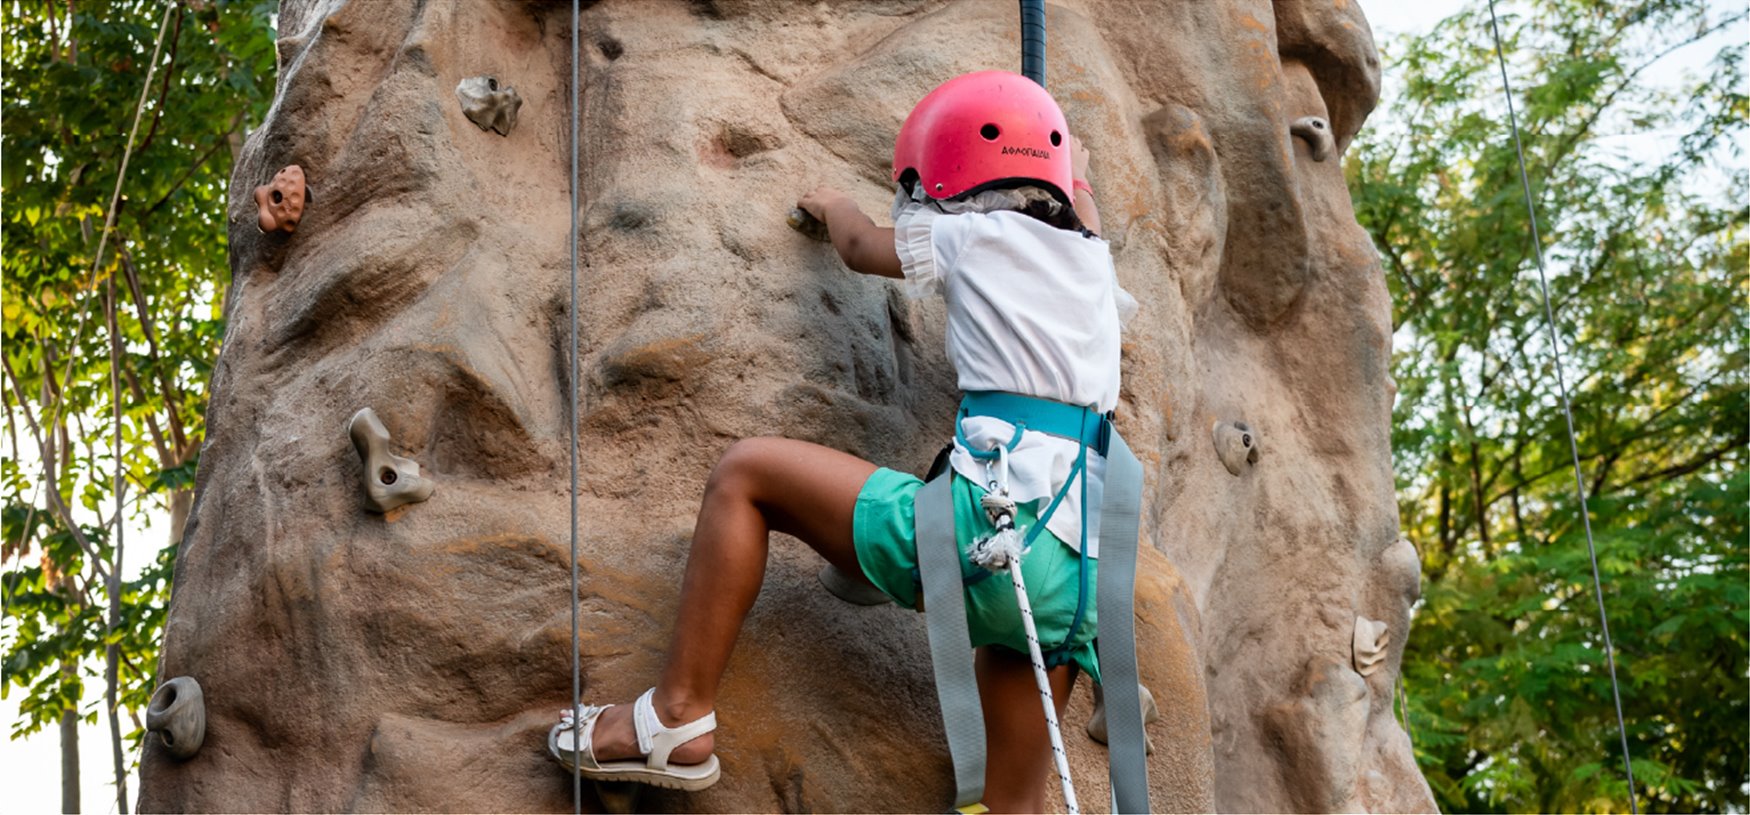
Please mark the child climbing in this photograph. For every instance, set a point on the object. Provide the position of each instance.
(993, 212)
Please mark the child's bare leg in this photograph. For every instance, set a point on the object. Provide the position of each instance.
(759, 486)
(1018, 763)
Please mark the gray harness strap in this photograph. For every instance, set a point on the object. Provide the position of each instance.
(950, 644)
(1115, 592)
(939, 568)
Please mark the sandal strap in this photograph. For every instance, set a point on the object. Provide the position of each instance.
(656, 740)
(583, 732)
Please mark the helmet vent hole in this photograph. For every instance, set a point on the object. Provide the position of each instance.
(1056, 139)
(989, 132)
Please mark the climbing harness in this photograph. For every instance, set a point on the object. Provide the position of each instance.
(1002, 550)
(571, 385)
(1567, 408)
(944, 581)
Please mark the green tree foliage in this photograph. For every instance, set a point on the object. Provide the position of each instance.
(1640, 196)
(73, 77)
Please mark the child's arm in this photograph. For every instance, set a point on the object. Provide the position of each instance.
(862, 245)
(1084, 196)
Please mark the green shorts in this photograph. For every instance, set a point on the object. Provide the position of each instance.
(886, 541)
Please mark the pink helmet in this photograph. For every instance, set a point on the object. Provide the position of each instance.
(982, 128)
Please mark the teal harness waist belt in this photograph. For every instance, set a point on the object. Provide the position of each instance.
(1073, 422)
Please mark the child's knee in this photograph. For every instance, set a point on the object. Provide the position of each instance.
(737, 472)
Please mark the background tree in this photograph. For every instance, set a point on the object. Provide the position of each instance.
(1640, 191)
(74, 71)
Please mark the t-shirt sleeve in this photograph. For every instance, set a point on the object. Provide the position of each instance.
(1127, 306)
(917, 231)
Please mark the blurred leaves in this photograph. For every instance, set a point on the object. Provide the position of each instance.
(73, 75)
(1640, 190)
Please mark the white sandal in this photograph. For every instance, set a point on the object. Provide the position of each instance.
(655, 741)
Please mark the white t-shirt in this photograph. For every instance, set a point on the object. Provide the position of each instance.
(1033, 310)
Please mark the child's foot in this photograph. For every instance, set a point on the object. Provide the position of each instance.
(616, 738)
(678, 756)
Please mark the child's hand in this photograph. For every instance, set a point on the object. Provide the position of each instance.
(816, 203)
(1078, 158)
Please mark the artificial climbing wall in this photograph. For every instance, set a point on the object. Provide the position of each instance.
(353, 659)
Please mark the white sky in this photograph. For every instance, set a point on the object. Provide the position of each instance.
(32, 765)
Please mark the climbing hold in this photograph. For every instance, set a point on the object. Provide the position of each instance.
(488, 104)
(178, 714)
(618, 797)
(390, 480)
(1237, 445)
(1097, 724)
(810, 226)
(1317, 133)
(1371, 638)
(849, 590)
(282, 200)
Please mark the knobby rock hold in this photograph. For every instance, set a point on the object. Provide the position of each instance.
(1236, 444)
(489, 105)
(390, 481)
(178, 714)
(281, 201)
(1316, 132)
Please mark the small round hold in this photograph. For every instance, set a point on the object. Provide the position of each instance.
(178, 714)
(1316, 132)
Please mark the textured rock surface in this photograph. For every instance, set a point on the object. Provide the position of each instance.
(413, 661)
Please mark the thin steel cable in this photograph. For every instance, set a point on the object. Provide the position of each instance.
(571, 385)
(1567, 408)
(115, 198)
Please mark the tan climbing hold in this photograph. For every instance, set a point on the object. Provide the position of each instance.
(489, 104)
(618, 797)
(1097, 723)
(1371, 639)
(281, 201)
(848, 589)
(178, 714)
(810, 226)
(1237, 445)
(1316, 132)
(390, 480)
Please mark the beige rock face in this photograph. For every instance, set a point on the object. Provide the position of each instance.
(413, 661)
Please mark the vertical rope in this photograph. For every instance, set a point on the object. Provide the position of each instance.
(1059, 757)
(1567, 408)
(112, 651)
(1033, 40)
(571, 385)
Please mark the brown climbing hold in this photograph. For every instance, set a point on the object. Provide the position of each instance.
(1317, 134)
(1237, 445)
(489, 104)
(178, 714)
(282, 200)
(390, 480)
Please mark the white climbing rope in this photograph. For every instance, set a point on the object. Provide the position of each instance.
(1567, 408)
(1002, 550)
(571, 385)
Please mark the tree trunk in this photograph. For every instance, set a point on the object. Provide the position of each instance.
(69, 755)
